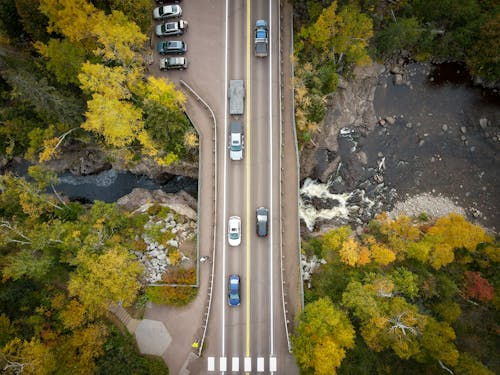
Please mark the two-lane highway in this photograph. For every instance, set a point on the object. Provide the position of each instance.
(251, 337)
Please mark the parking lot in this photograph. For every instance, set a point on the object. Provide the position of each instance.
(205, 42)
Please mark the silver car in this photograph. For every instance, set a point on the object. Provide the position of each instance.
(167, 11)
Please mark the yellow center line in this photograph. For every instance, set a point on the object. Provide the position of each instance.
(247, 190)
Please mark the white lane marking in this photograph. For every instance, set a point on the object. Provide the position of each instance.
(236, 364)
(273, 364)
(223, 276)
(271, 174)
(222, 363)
(211, 364)
(248, 364)
(260, 364)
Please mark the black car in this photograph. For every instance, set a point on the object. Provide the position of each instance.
(262, 221)
(171, 47)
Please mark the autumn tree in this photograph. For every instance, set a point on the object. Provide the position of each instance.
(477, 287)
(322, 337)
(102, 279)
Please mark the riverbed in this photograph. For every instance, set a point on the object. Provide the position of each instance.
(438, 134)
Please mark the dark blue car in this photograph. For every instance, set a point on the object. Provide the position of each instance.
(234, 290)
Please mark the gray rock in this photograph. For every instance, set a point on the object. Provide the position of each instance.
(398, 79)
(390, 119)
(463, 129)
(409, 125)
(444, 127)
(483, 123)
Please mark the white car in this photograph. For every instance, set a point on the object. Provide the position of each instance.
(234, 231)
(167, 11)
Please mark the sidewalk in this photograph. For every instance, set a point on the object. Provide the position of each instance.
(289, 209)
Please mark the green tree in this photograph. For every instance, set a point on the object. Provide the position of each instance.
(64, 59)
(323, 335)
(396, 36)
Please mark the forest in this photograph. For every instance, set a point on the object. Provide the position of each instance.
(407, 295)
(332, 37)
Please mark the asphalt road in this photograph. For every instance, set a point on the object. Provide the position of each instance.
(220, 48)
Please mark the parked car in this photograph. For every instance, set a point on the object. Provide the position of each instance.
(262, 221)
(233, 295)
(167, 11)
(234, 231)
(171, 47)
(171, 28)
(168, 1)
(169, 63)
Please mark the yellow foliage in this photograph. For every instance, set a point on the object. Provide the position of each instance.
(162, 91)
(364, 256)
(191, 139)
(73, 18)
(49, 151)
(118, 38)
(327, 356)
(382, 254)
(117, 121)
(74, 315)
(349, 252)
(110, 82)
(457, 232)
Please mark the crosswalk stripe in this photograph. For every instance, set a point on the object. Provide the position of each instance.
(248, 364)
(211, 364)
(260, 364)
(236, 364)
(272, 364)
(223, 364)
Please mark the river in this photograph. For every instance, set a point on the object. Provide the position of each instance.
(444, 139)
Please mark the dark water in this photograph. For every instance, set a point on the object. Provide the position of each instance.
(110, 185)
(461, 162)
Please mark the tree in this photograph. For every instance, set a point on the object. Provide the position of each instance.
(467, 365)
(405, 282)
(477, 287)
(355, 29)
(438, 343)
(396, 36)
(27, 357)
(482, 60)
(333, 240)
(102, 279)
(72, 18)
(64, 59)
(323, 335)
(119, 122)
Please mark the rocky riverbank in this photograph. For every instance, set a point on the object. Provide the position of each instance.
(168, 238)
(410, 134)
(84, 160)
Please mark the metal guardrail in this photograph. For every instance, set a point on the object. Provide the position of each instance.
(298, 167)
(283, 282)
(211, 278)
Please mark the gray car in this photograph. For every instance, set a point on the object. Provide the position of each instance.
(169, 63)
(171, 47)
(171, 28)
(262, 221)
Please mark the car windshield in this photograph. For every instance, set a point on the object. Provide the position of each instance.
(235, 142)
(234, 235)
(262, 217)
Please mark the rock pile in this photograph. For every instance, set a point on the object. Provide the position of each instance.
(156, 256)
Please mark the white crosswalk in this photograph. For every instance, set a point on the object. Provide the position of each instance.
(260, 364)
